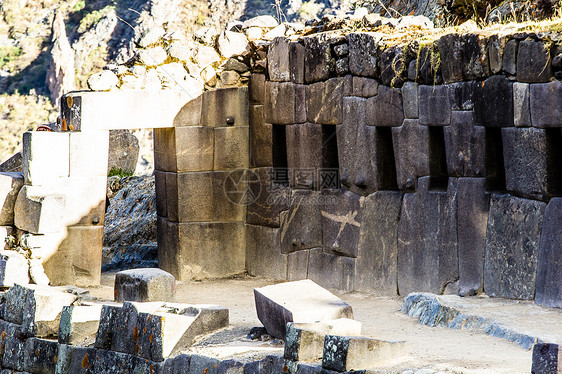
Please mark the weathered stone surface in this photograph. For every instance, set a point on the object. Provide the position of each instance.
(521, 105)
(427, 239)
(324, 101)
(231, 43)
(318, 62)
(263, 253)
(147, 284)
(364, 87)
(512, 246)
(13, 346)
(177, 365)
(393, 67)
(278, 65)
(331, 271)
(266, 199)
(365, 155)
(72, 359)
(496, 46)
(304, 154)
(547, 358)
(363, 60)
(261, 138)
(386, 108)
(10, 185)
(231, 148)
(79, 323)
(410, 97)
(530, 157)
(450, 49)
(301, 225)
(358, 353)
(474, 57)
(256, 88)
(465, 146)
(435, 106)
(225, 107)
(40, 356)
(39, 148)
(78, 257)
(301, 301)
(341, 222)
(13, 269)
(202, 364)
(493, 102)
(123, 151)
(549, 274)
(297, 53)
(297, 265)
(411, 153)
(161, 193)
(305, 341)
(426, 69)
(110, 361)
(509, 63)
(462, 95)
(181, 149)
(534, 62)
(179, 253)
(284, 103)
(473, 203)
(375, 266)
(546, 104)
(231, 367)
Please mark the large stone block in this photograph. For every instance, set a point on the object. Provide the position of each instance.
(263, 253)
(534, 61)
(256, 88)
(324, 101)
(475, 58)
(180, 254)
(461, 95)
(363, 59)
(304, 154)
(284, 103)
(13, 346)
(435, 105)
(509, 63)
(331, 271)
(44, 156)
(88, 153)
(278, 65)
(143, 285)
(364, 87)
(341, 222)
(301, 301)
(547, 359)
(261, 138)
(493, 102)
(318, 62)
(79, 323)
(37, 212)
(10, 185)
(411, 153)
(473, 203)
(546, 104)
(123, 151)
(72, 359)
(161, 193)
(385, 109)
(297, 55)
(531, 157)
(78, 258)
(301, 225)
(359, 353)
(231, 148)
(297, 265)
(225, 107)
(375, 266)
(427, 239)
(410, 97)
(267, 199)
(189, 148)
(450, 50)
(465, 145)
(521, 105)
(549, 274)
(189, 114)
(14, 269)
(206, 196)
(40, 356)
(512, 246)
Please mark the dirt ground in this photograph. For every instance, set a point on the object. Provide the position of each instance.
(436, 348)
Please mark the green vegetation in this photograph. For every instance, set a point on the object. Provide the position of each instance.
(8, 54)
(92, 18)
(115, 172)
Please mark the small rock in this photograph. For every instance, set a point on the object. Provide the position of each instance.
(256, 332)
(409, 21)
(232, 43)
(254, 33)
(278, 31)
(234, 64)
(171, 74)
(143, 285)
(138, 70)
(206, 56)
(229, 77)
(234, 26)
(152, 56)
(261, 21)
(193, 69)
(105, 80)
(179, 51)
(208, 73)
(206, 35)
(151, 36)
(151, 80)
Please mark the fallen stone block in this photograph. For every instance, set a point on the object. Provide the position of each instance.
(72, 359)
(547, 359)
(148, 284)
(10, 185)
(546, 104)
(79, 323)
(300, 301)
(305, 341)
(40, 148)
(434, 105)
(14, 269)
(38, 213)
(357, 353)
(40, 356)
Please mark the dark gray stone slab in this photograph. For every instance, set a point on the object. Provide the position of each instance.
(284, 103)
(496, 46)
(72, 359)
(176, 365)
(160, 186)
(427, 239)
(297, 265)
(462, 95)
(512, 246)
(394, 68)
(549, 275)
(493, 102)
(263, 253)
(546, 358)
(278, 66)
(301, 225)
(534, 62)
(546, 104)
(304, 154)
(385, 109)
(261, 138)
(428, 66)
(364, 87)
(297, 54)
(331, 271)
(410, 98)
(203, 364)
(375, 266)
(473, 204)
(363, 60)
(231, 367)
(40, 355)
(142, 366)
(341, 222)
(256, 88)
(411, 153)
(465, 146)
(13, 346)
(435, 106)
(324, 101)
(531, 158)
(113, 362)
(521, 105)
(268, 198)
(451, 58)
(318, 62)
(475, 57)
(509, 62)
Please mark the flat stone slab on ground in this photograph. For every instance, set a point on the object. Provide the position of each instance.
(301, 301)
(148, 284)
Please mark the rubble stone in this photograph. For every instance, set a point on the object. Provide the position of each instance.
(144, 285)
